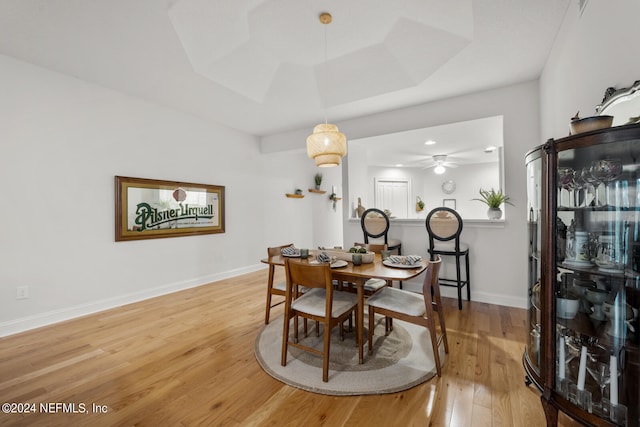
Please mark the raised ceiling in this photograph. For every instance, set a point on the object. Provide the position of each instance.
(259, 65)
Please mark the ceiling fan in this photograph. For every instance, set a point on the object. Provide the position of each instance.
(440, 164)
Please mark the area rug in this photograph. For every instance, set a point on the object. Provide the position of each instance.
(401, 360)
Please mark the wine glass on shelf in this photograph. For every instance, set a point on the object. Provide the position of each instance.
(565, 181)
(595, 183)
(580, 183)
(606, 171)
(600, 372)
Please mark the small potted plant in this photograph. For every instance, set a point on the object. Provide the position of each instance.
(318, 179)
(334, 199)
(493, 199)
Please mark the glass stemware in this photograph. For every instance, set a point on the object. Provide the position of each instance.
(600, 372)
(606, 171)
(565, 181)
(595, 183)
(580, 183)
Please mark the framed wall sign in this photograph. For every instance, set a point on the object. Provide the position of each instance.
(151, 208)
(449, 203)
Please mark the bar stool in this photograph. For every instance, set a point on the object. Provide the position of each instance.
(444, 226)
(375, 224)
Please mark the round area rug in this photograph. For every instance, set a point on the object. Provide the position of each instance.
(401, 360)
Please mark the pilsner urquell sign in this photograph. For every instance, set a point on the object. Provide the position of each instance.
(149, 208)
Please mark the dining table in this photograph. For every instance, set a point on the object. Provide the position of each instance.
(358, 275)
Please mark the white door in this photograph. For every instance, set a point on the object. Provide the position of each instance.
(393, 194)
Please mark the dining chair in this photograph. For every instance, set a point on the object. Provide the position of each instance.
(274, 288)
(320, 303)
(375, 224)
(413, 308)
(444, 226)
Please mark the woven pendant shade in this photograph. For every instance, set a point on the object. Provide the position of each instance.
(326, 145)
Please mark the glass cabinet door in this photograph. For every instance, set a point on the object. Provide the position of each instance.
(534, 209)
(597, 292)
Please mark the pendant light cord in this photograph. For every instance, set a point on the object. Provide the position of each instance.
(326, 75)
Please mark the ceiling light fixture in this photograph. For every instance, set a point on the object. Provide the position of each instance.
(430, 142)
(326, 145)
(490, 149)
(439, 169)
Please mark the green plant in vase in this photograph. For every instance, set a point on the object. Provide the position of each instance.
(318, 179)
(494, 199)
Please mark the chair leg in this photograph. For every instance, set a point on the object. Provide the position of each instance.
(325, 357)
(443, 329)
(466, 261)
(269, 287)
(372, 313)
(285, 339)
(431, 325)
(400, 253)
(434, 344)
(459, 282)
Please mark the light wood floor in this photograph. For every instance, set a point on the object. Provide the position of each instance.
(187, 359)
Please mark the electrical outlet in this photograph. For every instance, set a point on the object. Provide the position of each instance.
(22, 292)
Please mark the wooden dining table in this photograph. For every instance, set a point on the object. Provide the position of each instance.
(358, 275)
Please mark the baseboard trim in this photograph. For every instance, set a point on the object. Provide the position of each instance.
(485, 297)
(56, 316)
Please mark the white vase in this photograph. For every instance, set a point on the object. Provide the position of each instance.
(494, 213)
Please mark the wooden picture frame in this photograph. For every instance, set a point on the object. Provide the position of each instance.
(152, 209)
(449, 203)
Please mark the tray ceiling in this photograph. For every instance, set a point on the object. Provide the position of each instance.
(259, 66)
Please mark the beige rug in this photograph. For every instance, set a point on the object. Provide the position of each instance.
(400, 361)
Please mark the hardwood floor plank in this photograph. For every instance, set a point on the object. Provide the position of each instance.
(187, 359)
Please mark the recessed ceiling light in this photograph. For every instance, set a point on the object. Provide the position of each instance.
(399, 165)
(490, 149)
(429, 142)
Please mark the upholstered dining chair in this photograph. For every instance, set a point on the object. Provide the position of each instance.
(274, 288)
(321, 303)
(413, 308)
(375, 224)
(444, 226)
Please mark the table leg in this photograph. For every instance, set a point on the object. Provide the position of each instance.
(360, 319)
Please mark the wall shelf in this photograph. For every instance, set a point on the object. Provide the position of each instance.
(294, 196)
(311, 190)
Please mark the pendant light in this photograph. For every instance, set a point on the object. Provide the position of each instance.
(326, 145)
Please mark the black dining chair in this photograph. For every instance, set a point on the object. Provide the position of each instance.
(375, 224)
(444, 226)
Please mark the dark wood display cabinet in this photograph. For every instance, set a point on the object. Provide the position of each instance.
(583, 351)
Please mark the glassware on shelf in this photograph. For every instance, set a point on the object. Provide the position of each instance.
(606, 171)
(595, 182)
(580, 182)
(565, 181)
(600, 372)
(597, 297)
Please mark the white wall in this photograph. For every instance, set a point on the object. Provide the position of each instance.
(63, 140)
(592, 52)
(428, 185)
